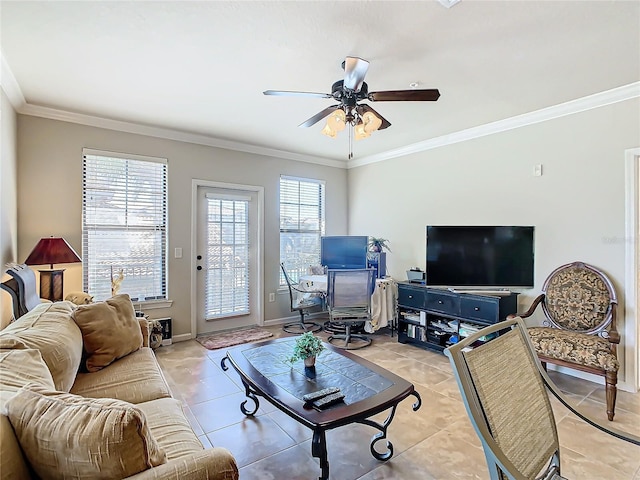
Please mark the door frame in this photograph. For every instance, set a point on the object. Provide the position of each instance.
(632, 266)
(195, 184)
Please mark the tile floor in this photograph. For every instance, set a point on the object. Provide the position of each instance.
(437, 442)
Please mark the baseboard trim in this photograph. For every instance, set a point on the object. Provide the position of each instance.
(181, 338)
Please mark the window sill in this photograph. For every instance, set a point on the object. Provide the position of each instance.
(153, 304)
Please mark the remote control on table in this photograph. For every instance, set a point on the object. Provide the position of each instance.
(310, 397)
(329, 400)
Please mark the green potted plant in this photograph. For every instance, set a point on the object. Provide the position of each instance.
(377, 244)
(306, 348)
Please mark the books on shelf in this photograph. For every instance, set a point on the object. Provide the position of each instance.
(417, 332)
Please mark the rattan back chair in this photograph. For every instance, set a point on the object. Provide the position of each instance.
(504, 389)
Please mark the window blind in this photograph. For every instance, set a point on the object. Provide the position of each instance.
(301, 224)
(227, 256)
(124, 225)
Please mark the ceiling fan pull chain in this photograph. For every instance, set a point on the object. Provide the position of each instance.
(350, 142)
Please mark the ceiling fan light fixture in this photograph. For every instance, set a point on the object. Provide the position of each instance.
(336, 121)
(371, 122)
(328, 131)
(360, 132)
(360, 120)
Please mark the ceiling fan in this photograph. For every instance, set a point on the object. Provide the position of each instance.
(349, 92)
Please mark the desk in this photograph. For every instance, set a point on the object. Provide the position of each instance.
(383, 299)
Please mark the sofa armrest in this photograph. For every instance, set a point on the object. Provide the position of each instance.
(146, 331)
(214, 463)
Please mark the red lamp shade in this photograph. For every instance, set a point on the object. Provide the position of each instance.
(52, 250)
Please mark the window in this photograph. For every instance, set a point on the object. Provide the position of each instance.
(227, 256)
(301, 224)
(124, 224)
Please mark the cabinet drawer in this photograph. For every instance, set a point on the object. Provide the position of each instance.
(411, 297)
(443, 302)
(479, 309)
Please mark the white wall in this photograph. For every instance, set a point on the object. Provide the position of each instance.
(50, 197)
(577, 205)
(8, 200)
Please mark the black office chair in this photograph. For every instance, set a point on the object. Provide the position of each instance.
(349, 303)
(22, 288)
(302, 302)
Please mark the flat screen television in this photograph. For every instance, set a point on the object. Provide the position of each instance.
(480, 256)
(344, 252)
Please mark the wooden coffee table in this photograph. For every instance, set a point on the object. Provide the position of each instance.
(368, 389)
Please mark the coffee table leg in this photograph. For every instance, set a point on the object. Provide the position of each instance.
(383, 430)
(223, 363)
(251, 395)
(248, 392)
(319, 450)
(418, 403)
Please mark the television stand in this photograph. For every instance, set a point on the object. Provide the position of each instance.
(435, 318)
(480, 292)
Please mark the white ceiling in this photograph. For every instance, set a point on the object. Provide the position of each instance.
(201, 67)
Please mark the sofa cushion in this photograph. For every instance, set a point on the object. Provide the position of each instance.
(19, 368)
(14, 465)
(170, 427)
(50, 329)
(135, 378)
(110, 330)
(68, 436)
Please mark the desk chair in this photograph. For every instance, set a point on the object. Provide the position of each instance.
(302, 301)
(349, 302)
(504, 389)
(22, 288)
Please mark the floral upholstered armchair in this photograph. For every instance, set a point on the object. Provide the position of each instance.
(579, 331)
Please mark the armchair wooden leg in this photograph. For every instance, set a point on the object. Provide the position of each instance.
(611, 379)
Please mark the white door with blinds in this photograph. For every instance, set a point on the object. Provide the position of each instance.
(227, 259)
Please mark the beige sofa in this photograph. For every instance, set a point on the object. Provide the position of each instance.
(117, 421)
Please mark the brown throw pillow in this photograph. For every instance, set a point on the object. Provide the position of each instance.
(72, 437)
(109, 329)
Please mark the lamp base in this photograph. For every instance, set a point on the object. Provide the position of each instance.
(52, 284)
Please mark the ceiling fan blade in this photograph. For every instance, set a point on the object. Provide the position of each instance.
(300, 94)
(430, 95)
(354, 71)
(363, 107)
(319, 116)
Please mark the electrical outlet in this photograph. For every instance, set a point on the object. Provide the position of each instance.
(272, 297)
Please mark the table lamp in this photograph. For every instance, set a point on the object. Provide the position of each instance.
(52, 250)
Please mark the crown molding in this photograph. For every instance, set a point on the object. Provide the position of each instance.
(597, 100)
(151, 131)
(10, 85)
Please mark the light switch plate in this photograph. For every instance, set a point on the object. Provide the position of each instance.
(537, 170)
(178, 252)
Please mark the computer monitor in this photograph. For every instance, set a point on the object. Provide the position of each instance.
(344, 252)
